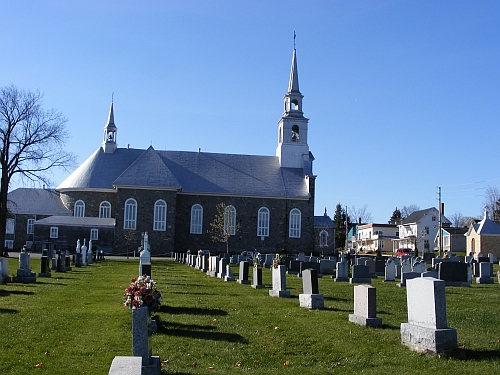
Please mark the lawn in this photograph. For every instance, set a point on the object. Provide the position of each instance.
(74, 323)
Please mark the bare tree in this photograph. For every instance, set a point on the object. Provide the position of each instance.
(31, 141)
(457, 219)
(408, 210)
(491, 203)
(361, 213)
(224, 225)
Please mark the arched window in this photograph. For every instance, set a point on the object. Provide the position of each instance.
(294, 228)
(105, 210)
(263, 222)
(295, 133)
(79, 209)
(295, 105)
(160, 215)
(323, 238)
(230, 220)
(196, 219)
(130, 217)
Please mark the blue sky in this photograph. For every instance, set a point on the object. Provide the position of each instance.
(402, 96)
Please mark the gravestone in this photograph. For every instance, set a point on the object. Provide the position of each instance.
(67, 259)
(204, 263)
(84, 252)
(311, 265)
(243, 273)
(24, 273)
(342, 272)
(360, 275)
(365, 307)
(4, 269)
(141, 344)
(493, 258)
(268, 260)
(145, 259)
(45, 264)
(372, 268)
(222, 268)
(406, 265)
(90, 255)
(60, 266)
(279, 282)
(419, 266)
(408, 276)
(430, 273)
(390, 270)
(453, 273)
(427, 328)
(293, 267)
(310, 298)
(257, 278)
(327, 267)
(485, 274)
(229, 274)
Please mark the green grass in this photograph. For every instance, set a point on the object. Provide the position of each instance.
(74, 323)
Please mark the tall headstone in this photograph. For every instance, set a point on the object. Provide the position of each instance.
(145, 258)
(360, 275)
(279, 282)
(222, 268)
(365, 306)
(311, 298)
(141, 344)
(229, 274)
(243, 273)
(24, 272)
(84, 252)
(4, 269)
(485, 274)
(427, 328)
(90, 255)
(45, 264)
(390, 270)
(342, 271)
(257, 278)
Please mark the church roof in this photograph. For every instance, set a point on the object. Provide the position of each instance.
(36, 202)
(189, 172)
(487, 226)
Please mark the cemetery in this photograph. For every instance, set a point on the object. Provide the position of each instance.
(442, 318)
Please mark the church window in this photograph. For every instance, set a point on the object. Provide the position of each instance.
(130, 217)
(31, 226)
(54, 232)
(105, 210)
(196, 219)
(9, 226)
(79, 209)
(94, 234)
(263, 222)
(323, 238)
(160, 216)
(294, 228)
(230, 220)
(295, 133)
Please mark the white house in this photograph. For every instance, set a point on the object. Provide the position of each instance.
(372, 237)
(420, 229)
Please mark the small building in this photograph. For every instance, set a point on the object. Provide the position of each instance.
(453, 239)
(324, 235)
(483, 237)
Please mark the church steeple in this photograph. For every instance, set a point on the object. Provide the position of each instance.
(109, 144)
(293, 150)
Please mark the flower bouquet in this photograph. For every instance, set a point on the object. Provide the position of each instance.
(257, 260)
(142, 292)
(278, 260)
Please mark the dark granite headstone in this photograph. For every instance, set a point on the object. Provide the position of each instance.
(453, 273)
(310, 281)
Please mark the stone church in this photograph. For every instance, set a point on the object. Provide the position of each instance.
(117, 194)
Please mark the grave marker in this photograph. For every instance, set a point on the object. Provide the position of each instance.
(310, 298)
(365, 307)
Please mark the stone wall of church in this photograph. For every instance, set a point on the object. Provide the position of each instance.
(246, 238)
(161, 242)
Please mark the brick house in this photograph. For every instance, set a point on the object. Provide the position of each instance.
(120, 193)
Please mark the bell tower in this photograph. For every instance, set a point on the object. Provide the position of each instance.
(109, 144)
(293, 150)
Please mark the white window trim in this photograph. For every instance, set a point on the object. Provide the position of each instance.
(54, 232)
(94, 234)
(105, 207)
(130, 214)
(294, 229)
(230, 220)
(10, 226)
(196, 226)
(30, 226)
(263, 217)
(79, 208)
(160, 216)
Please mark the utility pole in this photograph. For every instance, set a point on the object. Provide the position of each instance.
(440, 239)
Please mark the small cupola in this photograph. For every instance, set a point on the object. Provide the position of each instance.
(109, 144)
